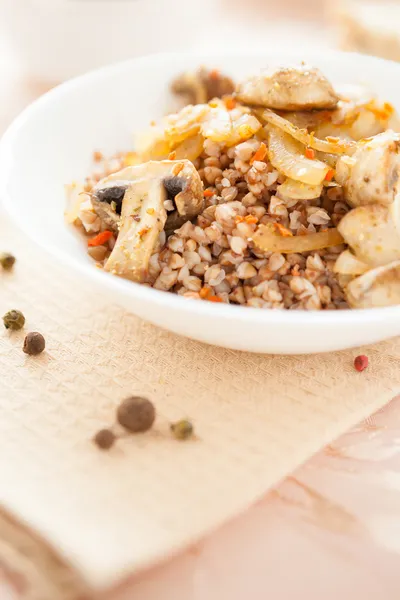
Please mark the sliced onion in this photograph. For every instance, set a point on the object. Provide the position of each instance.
(153, 149)
(190, 148)
(229, 128)
(295, 190)
(287, 155)
(334, 146)
(268, 241)
(75, 197)
(348, 264)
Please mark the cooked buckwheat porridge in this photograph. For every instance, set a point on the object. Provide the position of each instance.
(276, 192)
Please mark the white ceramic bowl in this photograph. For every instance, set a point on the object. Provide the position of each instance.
(51, 144)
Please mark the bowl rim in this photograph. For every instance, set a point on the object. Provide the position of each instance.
(164, 299)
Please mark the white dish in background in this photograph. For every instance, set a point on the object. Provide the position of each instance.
(53, 40)
(52, 142)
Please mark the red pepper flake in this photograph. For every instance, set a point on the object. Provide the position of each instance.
(214, 74)
(209, 193)
(172, 155)
(260, 154)
(143, 231)
(310, 153)
(361, 362)
(329, 175)
(283, 231)
(230, 102)
(100, 239)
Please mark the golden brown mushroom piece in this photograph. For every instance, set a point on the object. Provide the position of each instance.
(373, 233)
(376, 288)
(202, 86)
(288, 88)
(371, 175)
(143, 215)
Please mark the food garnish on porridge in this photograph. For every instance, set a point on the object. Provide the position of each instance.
(279, 192)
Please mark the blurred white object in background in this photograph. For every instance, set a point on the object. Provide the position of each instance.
(368, 26)
(53, 40)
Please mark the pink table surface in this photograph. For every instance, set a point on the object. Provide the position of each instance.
(331, 530)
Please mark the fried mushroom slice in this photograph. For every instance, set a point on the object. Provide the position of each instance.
(288, 88)
(142, 219)
(377, 288)
(371, 175)
(184, 189)
(373, 233)
(144, 189)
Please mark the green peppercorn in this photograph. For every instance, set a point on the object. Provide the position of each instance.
(182, 430)
(136, 414)
(14, 320)
(7, 260)
(104, 439)
(34, 343)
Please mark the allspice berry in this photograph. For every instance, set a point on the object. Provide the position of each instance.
(104, 439)
(136, 414)
(7, 260)
(182, 430)
(14, 320)
(34, 343)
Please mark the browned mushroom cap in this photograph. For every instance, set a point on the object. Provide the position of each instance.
(145, 189)
(288, 88)
(107, 202)
(378, 287)
(202, 86)
(186, 190)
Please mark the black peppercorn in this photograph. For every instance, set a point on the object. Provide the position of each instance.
(34, 343)
(104, 439)
(136, 414)
(14, 320)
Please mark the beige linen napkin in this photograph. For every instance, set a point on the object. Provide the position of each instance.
(76, 519)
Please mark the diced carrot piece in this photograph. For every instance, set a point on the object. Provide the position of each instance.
(330, 174)
(251, 219)
(230, 102)
(260, 154)
(283, 231)
(310, 153)
(100, 239)
(204, 292)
